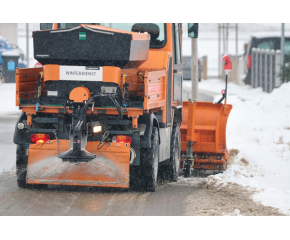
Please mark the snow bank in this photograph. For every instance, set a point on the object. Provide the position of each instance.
(7, 99)
(259, 127)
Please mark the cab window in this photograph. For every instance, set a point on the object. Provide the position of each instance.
(44, 26)
(157, 31)
(287, 47)
(267, 45)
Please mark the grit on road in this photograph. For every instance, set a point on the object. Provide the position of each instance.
(191, 196)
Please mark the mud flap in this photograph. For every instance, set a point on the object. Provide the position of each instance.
(110, 168)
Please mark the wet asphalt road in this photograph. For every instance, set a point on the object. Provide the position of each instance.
(168, 200)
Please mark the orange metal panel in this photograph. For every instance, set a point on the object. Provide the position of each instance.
(50, 72)
(109, 169)
(157, 60)
(134, 122)
(29, 120)
(210, 163)
(27, 86)
(112, 74)
(135, 82)
(204, 124)
(80, 94)
(154, 89)
(112, 111)
(26, 79)
(191, 136)
(17, 86)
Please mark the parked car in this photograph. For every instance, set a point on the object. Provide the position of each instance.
(267, 40)
(187, 68)
(7, 46)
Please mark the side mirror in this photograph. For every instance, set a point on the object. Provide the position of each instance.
(193, 30)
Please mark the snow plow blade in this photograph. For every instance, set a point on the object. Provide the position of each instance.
(203, 130)
(110, 168)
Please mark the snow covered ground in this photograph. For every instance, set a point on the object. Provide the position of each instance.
(259, 127)
(7, 99)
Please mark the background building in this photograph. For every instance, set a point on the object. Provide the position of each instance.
(9, 31)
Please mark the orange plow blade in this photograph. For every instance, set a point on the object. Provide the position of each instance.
(204, 125)
(110, 168)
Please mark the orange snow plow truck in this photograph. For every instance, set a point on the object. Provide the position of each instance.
(103, 107)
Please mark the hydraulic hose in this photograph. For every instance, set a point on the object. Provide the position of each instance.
(117, 105)
(83, 112)
(119, 109)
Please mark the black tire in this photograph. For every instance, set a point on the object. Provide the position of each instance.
(136, 178)
(175, 150)
(21, 169)
(149, 163)
(21, 166)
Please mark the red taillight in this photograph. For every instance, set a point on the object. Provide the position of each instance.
(122, 139)
(39, 138)
(38, 64)
(249, 62)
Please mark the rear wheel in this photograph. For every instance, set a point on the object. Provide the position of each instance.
(21, 169)
(175, 149)
(149, 163)
(21, 166)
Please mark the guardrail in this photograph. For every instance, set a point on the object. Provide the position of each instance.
(265, 69)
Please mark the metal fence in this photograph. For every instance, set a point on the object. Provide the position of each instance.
(265, 69)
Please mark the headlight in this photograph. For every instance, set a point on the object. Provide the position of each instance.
(97, 127)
